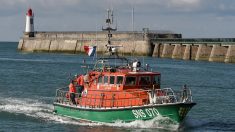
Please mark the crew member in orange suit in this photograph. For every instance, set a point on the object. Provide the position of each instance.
(72, 91)
(80, 83)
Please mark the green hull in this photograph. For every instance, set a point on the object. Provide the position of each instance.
(176, 112)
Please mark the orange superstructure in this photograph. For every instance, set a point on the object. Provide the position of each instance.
(109, 86)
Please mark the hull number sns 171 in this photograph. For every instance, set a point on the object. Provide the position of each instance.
(149, 112)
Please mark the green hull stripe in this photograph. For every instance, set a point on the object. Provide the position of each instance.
(176, 112)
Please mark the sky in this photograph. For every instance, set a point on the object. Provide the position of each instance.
(191, 18)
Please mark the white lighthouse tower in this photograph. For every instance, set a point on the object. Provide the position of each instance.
(29, 27)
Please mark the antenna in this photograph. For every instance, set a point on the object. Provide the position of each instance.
(109, 22)
(111, 16)
(133, 10)
(133, 34)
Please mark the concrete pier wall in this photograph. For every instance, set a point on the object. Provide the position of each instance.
(203, 52)
(134, 43)
(167, 51)
(230, 55)
(190, 52)
(73, 42)
(158, 48)
(178, 51)
(199, 52)
(137, 43)
(218, 53)
(187, 54)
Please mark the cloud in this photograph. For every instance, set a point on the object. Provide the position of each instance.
(184, 4)
(67, 5)
(66, 15)
(45, 3)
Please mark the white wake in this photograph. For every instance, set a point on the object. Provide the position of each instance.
(43, 111)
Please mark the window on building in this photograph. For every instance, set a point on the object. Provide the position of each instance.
(106, 79)
(100, 79)
(31, 21)
(144, 80)
(130, 81)
(119, 79)
(111, 80)
(157, 79)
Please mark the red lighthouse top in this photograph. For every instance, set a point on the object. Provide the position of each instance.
(30, 12)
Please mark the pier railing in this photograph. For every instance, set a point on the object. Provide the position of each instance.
(117, 99)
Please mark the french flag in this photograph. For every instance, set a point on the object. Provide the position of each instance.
(90, 50)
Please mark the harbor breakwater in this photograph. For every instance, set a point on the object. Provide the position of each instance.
(133, 43)
(143, 43)
(200, 52)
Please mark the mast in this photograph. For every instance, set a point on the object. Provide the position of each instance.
(133, 34)
(133, 10)
(109, 28)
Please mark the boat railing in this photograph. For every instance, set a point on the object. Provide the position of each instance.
(167, 95)
(185, 95)
(103, 99)
(107, 99)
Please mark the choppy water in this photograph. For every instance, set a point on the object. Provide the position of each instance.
(28, 82)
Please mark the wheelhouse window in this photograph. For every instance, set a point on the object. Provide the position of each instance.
(157, 80)
(130, 81)
(119, 79)
(100, 79)
(144, 80)
(111, 80)
(106, 79)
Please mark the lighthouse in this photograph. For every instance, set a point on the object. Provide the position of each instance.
(29, 27)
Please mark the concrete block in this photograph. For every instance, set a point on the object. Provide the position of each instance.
(129, 47)
(230, 55)
(178, 51)
(194, 51)
(29, 45)
(190, 52)
(157, 50)
(218, 53)
(187, 52)
(203, 52)
(20, 44)
(67, 45)
(143, 48)
(54, 45)
(167, 51)
(42, 45)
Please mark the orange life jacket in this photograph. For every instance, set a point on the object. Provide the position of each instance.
(72, 88)
(80, 80)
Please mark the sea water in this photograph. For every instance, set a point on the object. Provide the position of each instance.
(28, 82)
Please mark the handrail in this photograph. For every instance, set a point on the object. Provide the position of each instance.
(110, 99)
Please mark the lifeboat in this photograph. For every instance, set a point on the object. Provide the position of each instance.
(123, 93)
(118, 89)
